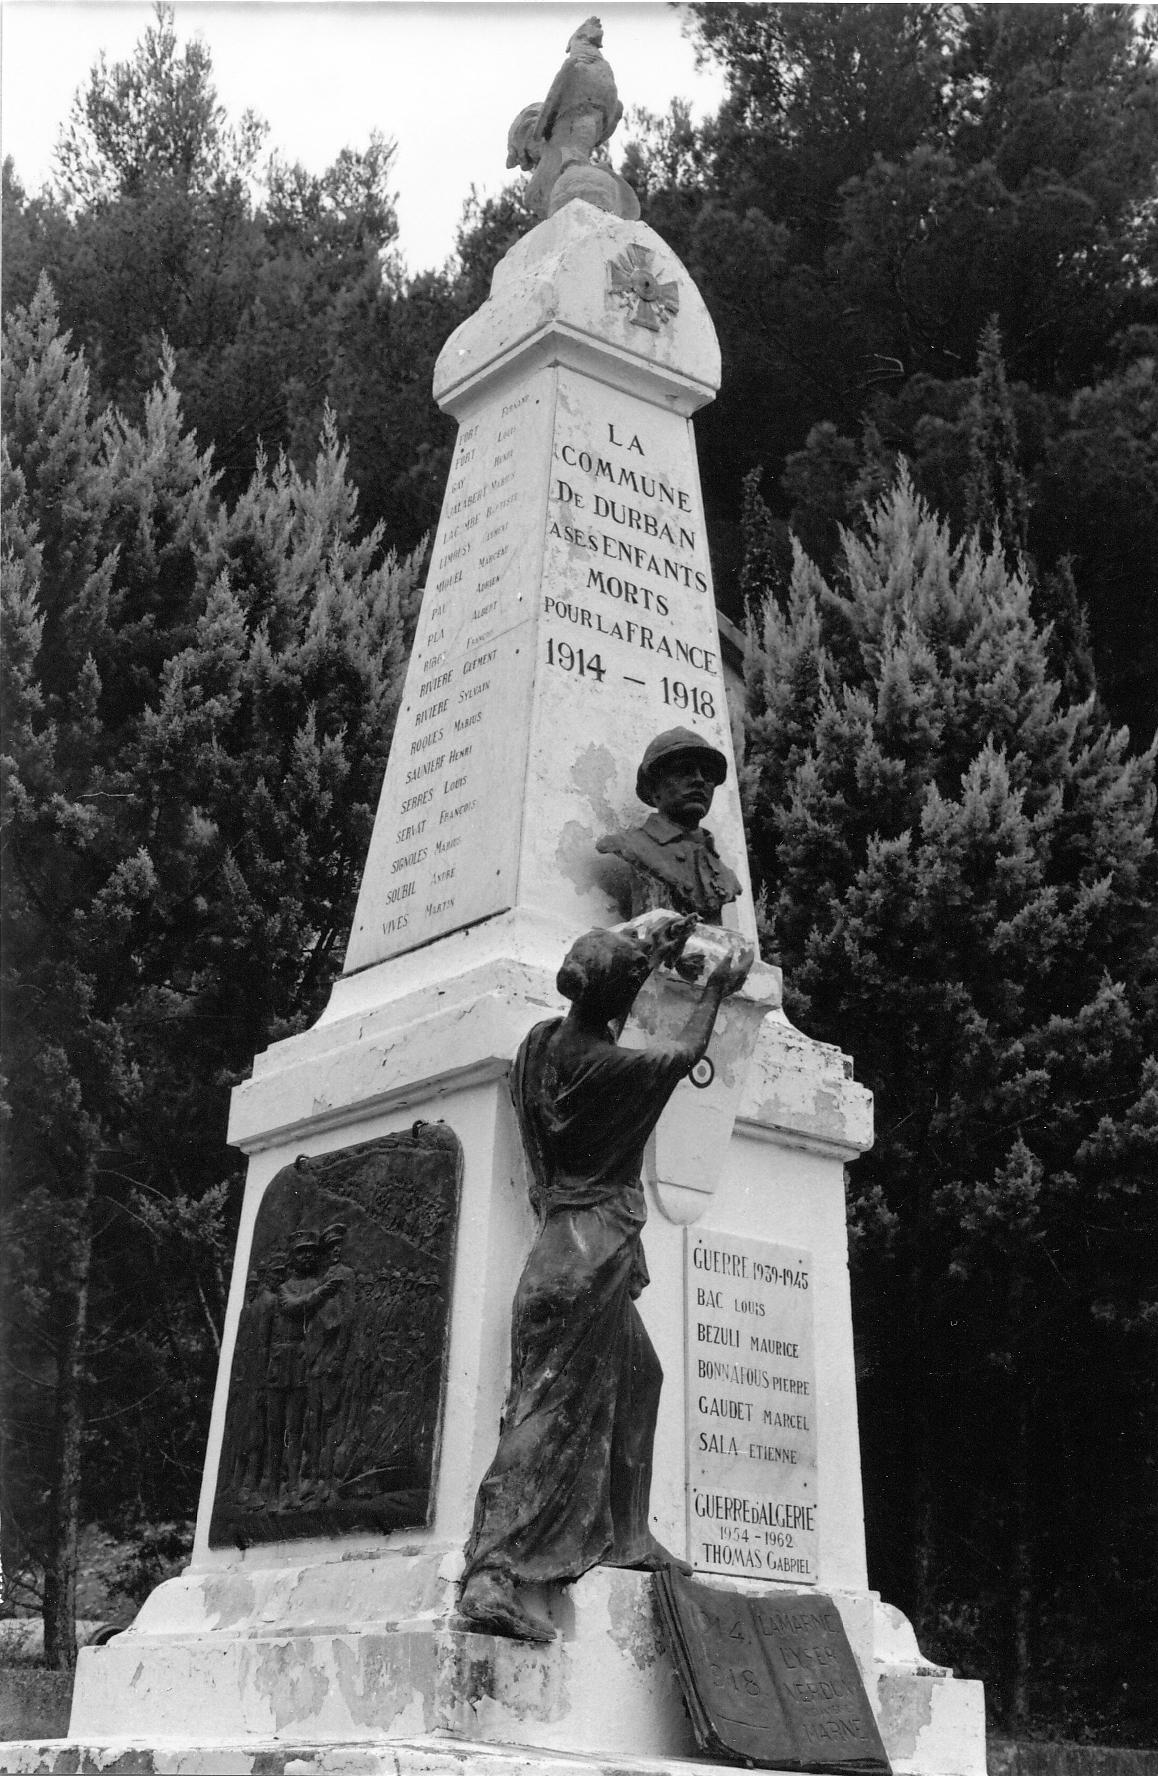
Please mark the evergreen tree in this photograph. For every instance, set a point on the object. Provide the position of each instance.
(67, 880)
(881, 180)
(966, 464)
(151, 236)
(767, 546)
(1097, 490)
(959, 875)
(198, 708)
(996, 502)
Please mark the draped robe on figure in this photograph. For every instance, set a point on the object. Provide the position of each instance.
(570, 1483)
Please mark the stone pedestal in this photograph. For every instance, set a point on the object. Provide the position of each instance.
(568, 618)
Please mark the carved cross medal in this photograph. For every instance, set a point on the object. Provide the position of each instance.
(634, 282)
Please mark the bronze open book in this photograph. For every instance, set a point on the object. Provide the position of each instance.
(769, 1678)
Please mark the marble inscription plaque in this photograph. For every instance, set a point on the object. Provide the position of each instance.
(445, 847)
(567, 619)
(336, 1381)
(771, 1678)
(627, 574)
(752, 1500)
(627, 642)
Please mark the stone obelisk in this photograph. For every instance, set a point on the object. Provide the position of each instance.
(568, 618)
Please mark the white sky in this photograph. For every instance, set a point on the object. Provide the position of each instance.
(443, 79)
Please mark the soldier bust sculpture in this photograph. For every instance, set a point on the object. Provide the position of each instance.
(672, 858)
(570, 1484)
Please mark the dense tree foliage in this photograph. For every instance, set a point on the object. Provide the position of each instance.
(199, 701)
(882, 181)
(960, 874)
(152, 234)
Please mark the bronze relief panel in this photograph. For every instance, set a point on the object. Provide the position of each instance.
(336, 1383)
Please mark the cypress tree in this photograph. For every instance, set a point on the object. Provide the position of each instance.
(959, 874)
(198, 706)
(996, 500)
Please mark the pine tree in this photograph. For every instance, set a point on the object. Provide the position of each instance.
(960, 879)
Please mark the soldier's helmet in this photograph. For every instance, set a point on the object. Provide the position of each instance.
(672, 744)
(306, 1239)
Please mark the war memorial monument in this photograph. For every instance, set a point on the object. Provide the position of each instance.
(620, 1525)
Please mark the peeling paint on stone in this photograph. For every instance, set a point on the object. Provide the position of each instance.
(294, 1689)
(420, 1756)
(576, 855)
(932, 1723)
(634, 1628)
(646, 1013)
(906, 1712)
(229, 1598)
(496, 1679)
(592, 773)
(379, 1683)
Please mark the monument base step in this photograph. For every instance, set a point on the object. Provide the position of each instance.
(428, 1755)
(238, 1666)
(933, 1723)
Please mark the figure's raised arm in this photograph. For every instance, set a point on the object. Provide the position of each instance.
(728, 976)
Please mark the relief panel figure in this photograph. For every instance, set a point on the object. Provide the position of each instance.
(328, 1334)
(247, 1387)
(569, 1485)
(285, 1391)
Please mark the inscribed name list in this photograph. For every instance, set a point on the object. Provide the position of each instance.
(568, 618)
(752, 1493)
(445, 845)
